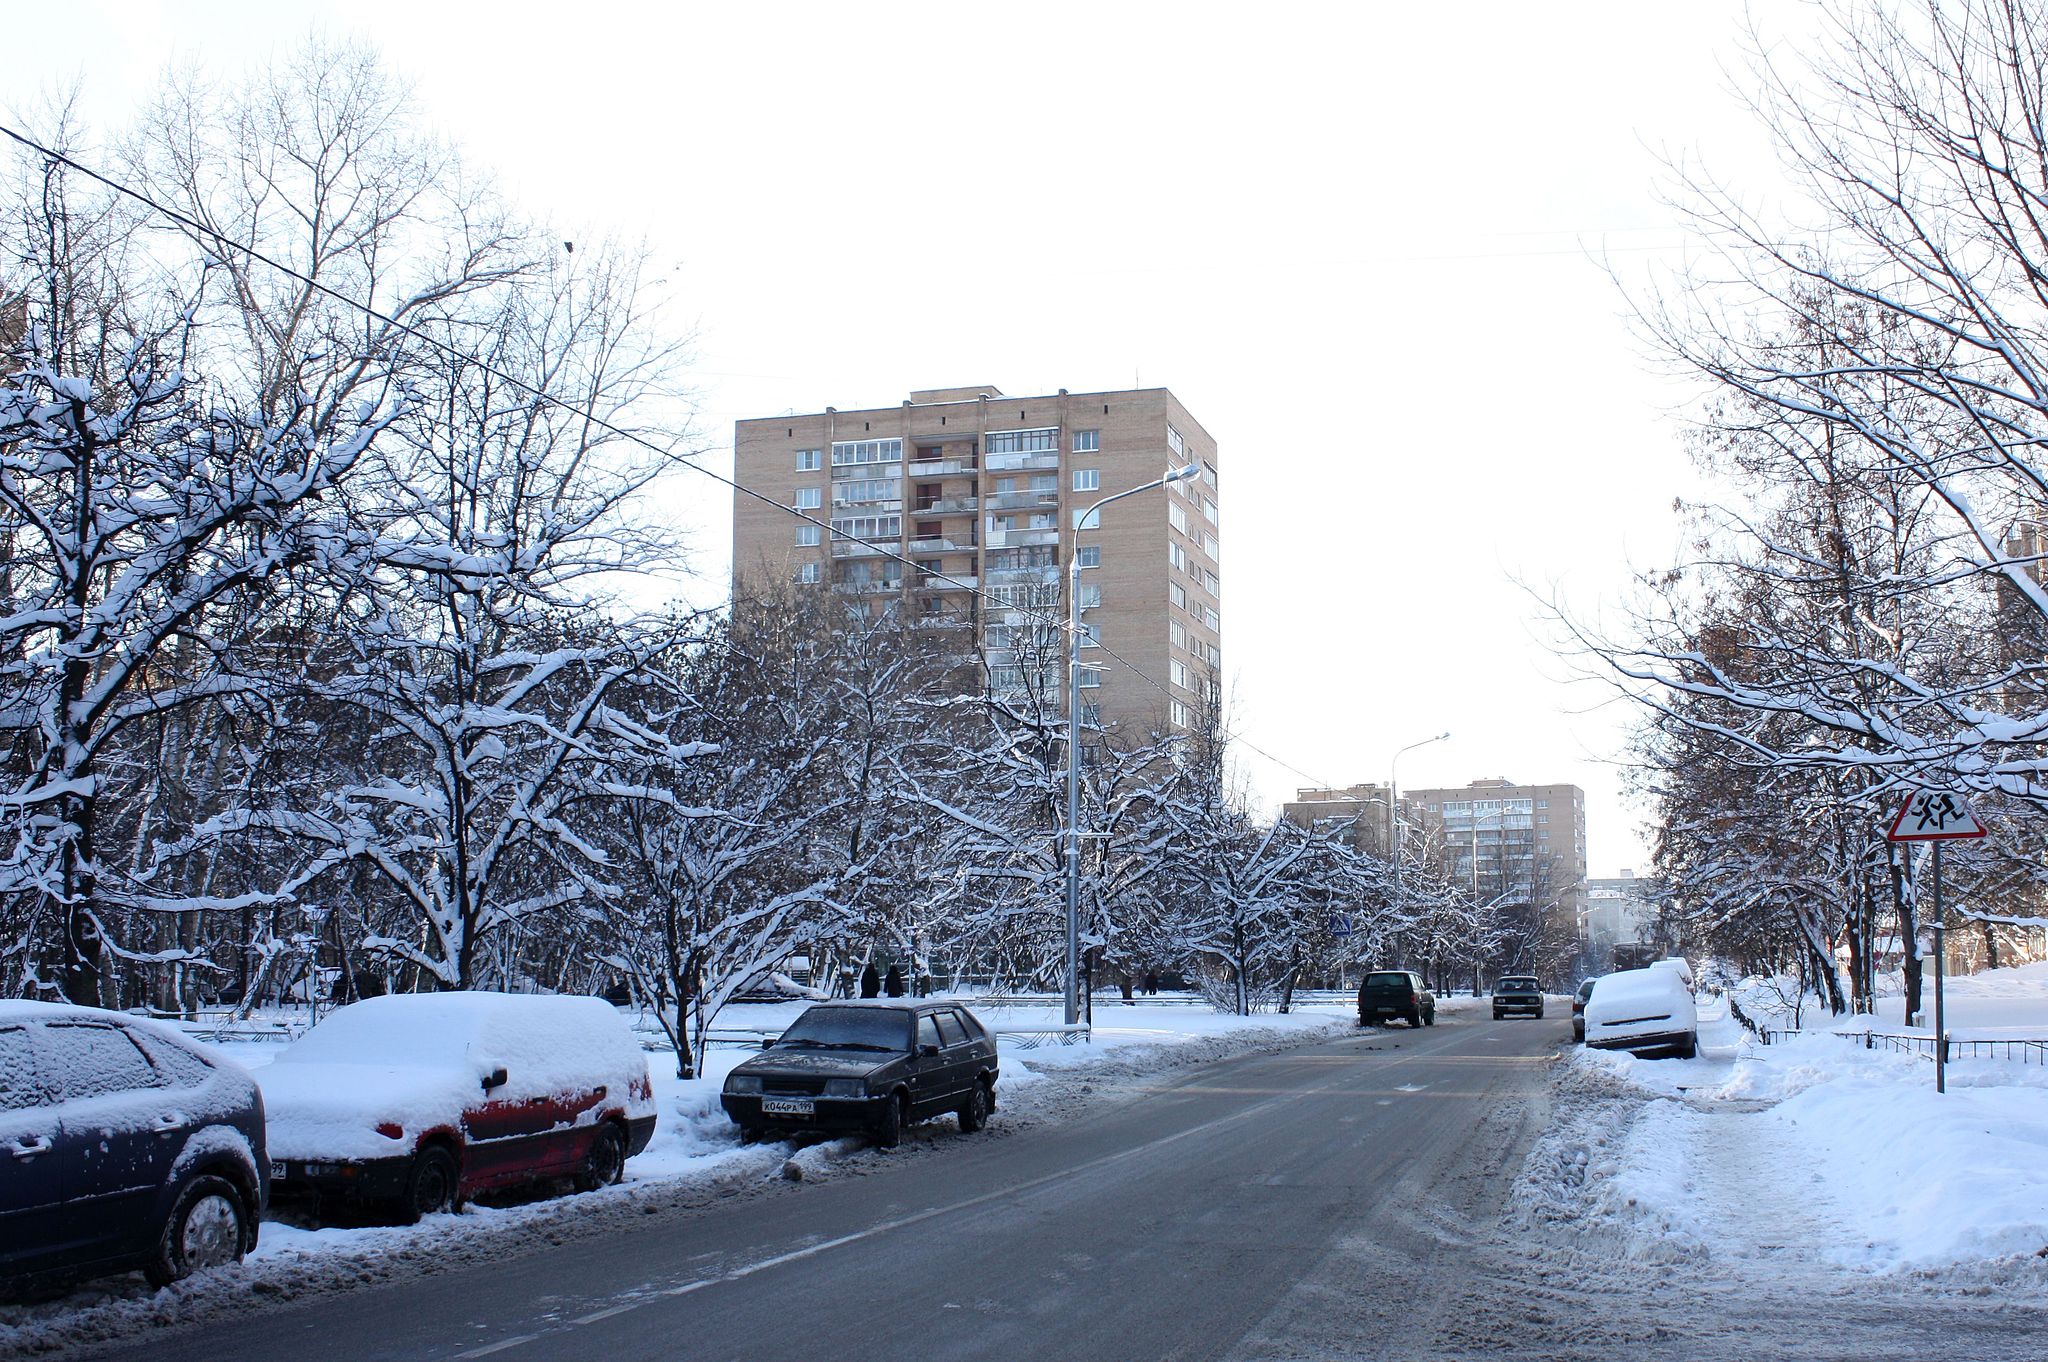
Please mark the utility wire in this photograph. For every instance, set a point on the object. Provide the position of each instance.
(591, 417)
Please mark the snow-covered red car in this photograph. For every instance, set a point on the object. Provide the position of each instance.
(1643, 1010)
(416, 1102)
(122, 1145)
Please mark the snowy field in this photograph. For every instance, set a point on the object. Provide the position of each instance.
(1814, 1151)
(695, 1157)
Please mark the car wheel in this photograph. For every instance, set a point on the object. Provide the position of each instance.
(1539, 1014)
(888, 1131)
(1415, 1017)
(605, 1164)
(1498, 1014)
(208, 1227)
(430, 1186)
(1690, 1048)
(974, 1111)
(1429, 1017)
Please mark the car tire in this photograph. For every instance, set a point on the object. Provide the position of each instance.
(974, 1111)
(208, 1227)
(1429, 1017)
(888, 1132)
(605, 1164)
(1539, 1014)
(752, 1134)
(431, 1185)
(1690, 1049)
(1415, 1017)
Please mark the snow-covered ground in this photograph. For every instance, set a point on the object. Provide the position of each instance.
(1814, 1150)
(695, 1156)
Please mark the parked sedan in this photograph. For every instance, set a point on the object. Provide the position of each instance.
(122, 1145)
(1517, 993)
(1647, 1011)
(1579, 1008)
(867, 1067)
(416, 1102)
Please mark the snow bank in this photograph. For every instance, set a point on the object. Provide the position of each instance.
(1812, 1150)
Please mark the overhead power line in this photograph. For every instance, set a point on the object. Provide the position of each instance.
(582, 413)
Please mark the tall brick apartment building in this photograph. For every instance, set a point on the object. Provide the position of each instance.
(983, 494)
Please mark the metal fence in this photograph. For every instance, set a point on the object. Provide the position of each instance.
(2018, 1050)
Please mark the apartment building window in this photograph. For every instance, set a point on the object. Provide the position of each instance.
(1091, 716)
(806, 536)
(1209, 546)
(1087, 480)
(1090, 677)
(809, 498)
(1209, 617)
(845, 452)
(1091, 636)
(1090, 557)
(1178, 594)
(1177, 713)
(1179, 632)
(1087, 441)
(1091, 598)
(1211, 581)
(1175, 443)
(1089, 519)
(1176, 555)
(1209, 510)
(867, 527)
(1042, 441)
(1209, 476)
(1176, 517)
(809, 460)
(1177, 672)
(807, 573)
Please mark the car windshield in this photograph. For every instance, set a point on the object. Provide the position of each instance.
(847, 1028)
(1586, 989)
(1518, 985)
(1386, 981)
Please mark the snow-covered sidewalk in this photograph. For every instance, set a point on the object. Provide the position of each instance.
(695, 1158)
(1814, 1150)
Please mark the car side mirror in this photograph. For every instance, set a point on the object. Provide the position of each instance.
(927, 1050)
(495, 1078)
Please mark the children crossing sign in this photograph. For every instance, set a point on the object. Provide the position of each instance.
(1935, 816)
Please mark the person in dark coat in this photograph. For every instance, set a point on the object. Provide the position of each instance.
(893, 984)
(870, 982)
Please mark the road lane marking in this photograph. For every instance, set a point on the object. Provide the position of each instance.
(497, 1347)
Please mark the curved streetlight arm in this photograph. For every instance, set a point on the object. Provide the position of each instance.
(1073, 1000)
(1394, 801)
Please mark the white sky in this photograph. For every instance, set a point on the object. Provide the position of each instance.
(1353, 241)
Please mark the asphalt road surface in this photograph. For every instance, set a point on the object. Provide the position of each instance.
(1336, 1200)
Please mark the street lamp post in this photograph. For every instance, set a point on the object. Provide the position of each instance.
(1394, 802)
(1073, 1010)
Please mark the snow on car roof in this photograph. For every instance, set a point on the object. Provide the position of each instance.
(544, 1036)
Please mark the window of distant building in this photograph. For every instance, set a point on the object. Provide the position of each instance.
(1091, 597)
(1044, 441)
(1176, 517)
(1175, 443)
(1088, 520)
(806, 536)
(1090, 677)
(809, 460)
(1087, 441)
(807, 572)
(1177, 713)
(1090, 557)
(1087, 480)
(1178, 593)
(846, 452)
(809, 498)
(1177, 672)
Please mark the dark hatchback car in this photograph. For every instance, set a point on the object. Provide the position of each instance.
(1386, 994)
(122, 1146)
(867, 1068)
(1517, 993)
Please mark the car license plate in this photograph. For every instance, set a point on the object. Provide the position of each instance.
(788, 1106)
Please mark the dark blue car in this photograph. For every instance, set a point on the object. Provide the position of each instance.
(122, 1146)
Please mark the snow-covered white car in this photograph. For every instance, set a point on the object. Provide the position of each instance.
(419, 1101)
(122, 1145)
(1643, 1010)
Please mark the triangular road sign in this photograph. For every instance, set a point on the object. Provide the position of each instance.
(1935, 816)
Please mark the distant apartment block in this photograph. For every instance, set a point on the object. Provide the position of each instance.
(963, 506)
(1361, 812)
(1525, 842)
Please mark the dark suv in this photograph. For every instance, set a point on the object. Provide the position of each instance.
(1391, 993)
(122, 1145)
(1520, 993)
(867, 1067)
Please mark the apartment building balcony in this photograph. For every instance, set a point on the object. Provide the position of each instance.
(951, 581)
(1019, 501)
(874, 588)
(1019, 539)
(939, 544)
(1049, 575)
(842, 471)
(939, 468)
(862, 548)
(1014, 463)
(949, 505)
(878, 506)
